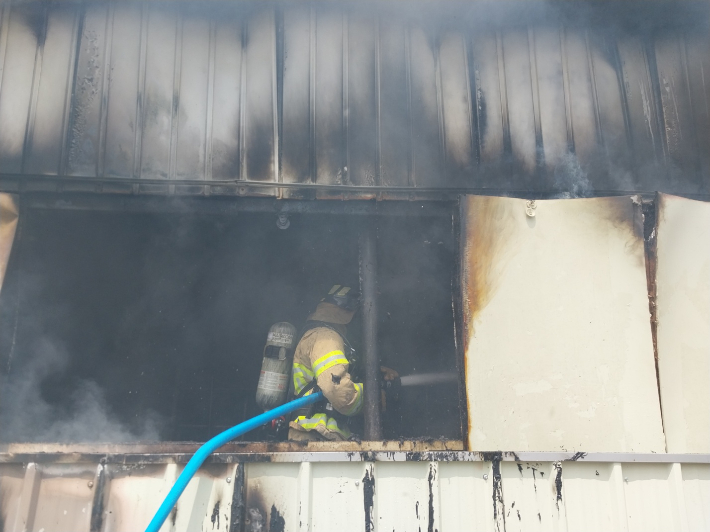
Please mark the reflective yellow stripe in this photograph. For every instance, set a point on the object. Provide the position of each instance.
(299, 382)
(358, 400)
(332, 425)
(302, 375)
(313, 422)
(328, 361)
(303, 369)
(322, 420)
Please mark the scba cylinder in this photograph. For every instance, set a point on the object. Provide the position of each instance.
(276, 366)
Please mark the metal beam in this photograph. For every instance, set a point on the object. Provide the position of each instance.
(39, 458)
(230, 206)
(371, 359)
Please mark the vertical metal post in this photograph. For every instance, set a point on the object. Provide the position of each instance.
(371, 359)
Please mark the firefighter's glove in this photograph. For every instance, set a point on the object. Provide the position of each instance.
(391, 383)
(388, 374)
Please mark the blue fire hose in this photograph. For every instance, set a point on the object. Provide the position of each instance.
(215, 443)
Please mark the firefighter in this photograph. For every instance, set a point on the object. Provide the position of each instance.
(321, 359)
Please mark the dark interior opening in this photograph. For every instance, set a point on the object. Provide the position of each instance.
(118, 326)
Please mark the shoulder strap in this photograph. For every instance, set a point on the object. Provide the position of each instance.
(307, 388)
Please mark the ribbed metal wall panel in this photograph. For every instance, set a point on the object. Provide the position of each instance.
(170, 97)
(344, 492)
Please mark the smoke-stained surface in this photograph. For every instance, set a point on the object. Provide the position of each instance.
(504, 97)
(125, 326)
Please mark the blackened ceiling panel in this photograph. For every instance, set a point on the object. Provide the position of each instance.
(614, 170)
(160, 92)
(225, 133)
(697, 44)
(679, 126)
(551, 91)
(298, 93)
(426, 108)
(394, 104)
(90, 86)
(362, 89)
(456, 97)
(642, 108)
(219, 98)
(493, 133)
(45, 139)
(328, 100)
(20, 40)
(124, 102)
(195, 96)
(259, 127)
(521, 106)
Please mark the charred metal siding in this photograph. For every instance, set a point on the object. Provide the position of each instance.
(208, 98)
(432, 491)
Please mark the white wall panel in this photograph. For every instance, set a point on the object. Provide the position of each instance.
(558, 345)
(330, 492)
(683, 314)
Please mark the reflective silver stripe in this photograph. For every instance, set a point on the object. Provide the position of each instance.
(333, 360)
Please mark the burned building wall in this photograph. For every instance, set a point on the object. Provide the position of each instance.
(216, 98)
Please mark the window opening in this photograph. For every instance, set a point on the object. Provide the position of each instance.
(118, 326)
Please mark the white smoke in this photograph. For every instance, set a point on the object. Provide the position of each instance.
(26, 416)
(571, 179)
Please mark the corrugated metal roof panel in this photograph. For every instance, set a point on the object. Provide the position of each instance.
(380, 494)
(464, 97)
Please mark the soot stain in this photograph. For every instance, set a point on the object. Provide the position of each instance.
(497, 495)
(215, 515)
(276, 521)
(482, 115)
(368, 488)
(432, 476)
(558, 484)
(36, 22)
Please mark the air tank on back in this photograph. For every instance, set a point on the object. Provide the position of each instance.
(276, 366)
